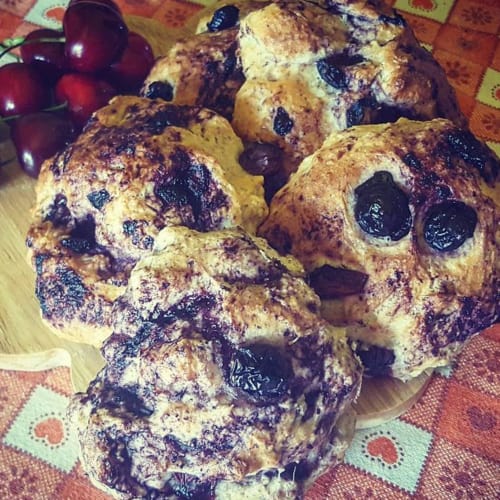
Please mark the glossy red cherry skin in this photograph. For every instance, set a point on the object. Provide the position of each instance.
(47, 56)
(84, 95)
(129, 72)
(96, 36)
(38, 136)
(107, 3)
(22, 90)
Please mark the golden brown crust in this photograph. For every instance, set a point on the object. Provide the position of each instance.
(139, 165)
(180, 395)
(376, 71)
(419, 302)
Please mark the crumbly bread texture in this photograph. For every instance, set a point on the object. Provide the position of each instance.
(222, 379)
(138, 166)
(291, 72)
(398, 228)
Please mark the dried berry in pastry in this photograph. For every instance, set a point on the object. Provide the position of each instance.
(222, 380)
(398, 228)
(288, 73)
(139, 165)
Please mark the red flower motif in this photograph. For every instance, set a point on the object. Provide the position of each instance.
(487, 362)
(457, 72)
(476, 15)
(359, 492)
(419, 27)
(11, 3)
(19, 484)
(175, 17)
(463, 480)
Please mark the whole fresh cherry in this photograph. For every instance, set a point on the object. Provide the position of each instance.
(22, 90)
(84, 95)
(129, 72)
(107, 3)
(96, 35)
(38, 136)
(44, 49)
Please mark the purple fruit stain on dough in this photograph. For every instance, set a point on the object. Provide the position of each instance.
(82, 237)
(169, 116)
(282, 124)
(99, 198)
(187, 184)
(118, 466)
(466, 146)
(411, 160)
(187, 309)
(63, 295)
(39, 260)
(58, 213)
(188, 487)
(123, 402)
(260, 370)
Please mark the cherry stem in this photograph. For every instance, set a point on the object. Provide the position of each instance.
(13, 43)
(57, 107)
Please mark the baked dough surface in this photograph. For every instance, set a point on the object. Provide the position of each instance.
(419, 304)
(138, 166)
(291, 72)
(221, 377)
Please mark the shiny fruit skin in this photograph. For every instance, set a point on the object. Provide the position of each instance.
(39, 136)
(84, 95)
(47, 57)
(129, 72)
(96, 36)
(22, 90)
(107, 3)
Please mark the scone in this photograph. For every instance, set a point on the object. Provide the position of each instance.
(291, 72)
(222, 380)
(138, 166)
(398, 228)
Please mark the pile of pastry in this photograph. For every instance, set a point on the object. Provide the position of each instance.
(294, 200)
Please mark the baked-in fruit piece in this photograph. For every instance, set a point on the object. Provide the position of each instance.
(138, 166)
(291, 72)
(398, 229)
(222, 380)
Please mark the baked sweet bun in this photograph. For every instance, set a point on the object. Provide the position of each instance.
(398, 228)
(291, 72)
(138, 166)
(222, 380)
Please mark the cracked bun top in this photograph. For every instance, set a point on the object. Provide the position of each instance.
(288, 73)
(221, 376)
(138, 166)
(397, 226)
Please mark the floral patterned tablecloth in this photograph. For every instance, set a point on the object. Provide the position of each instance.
(446, 446)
